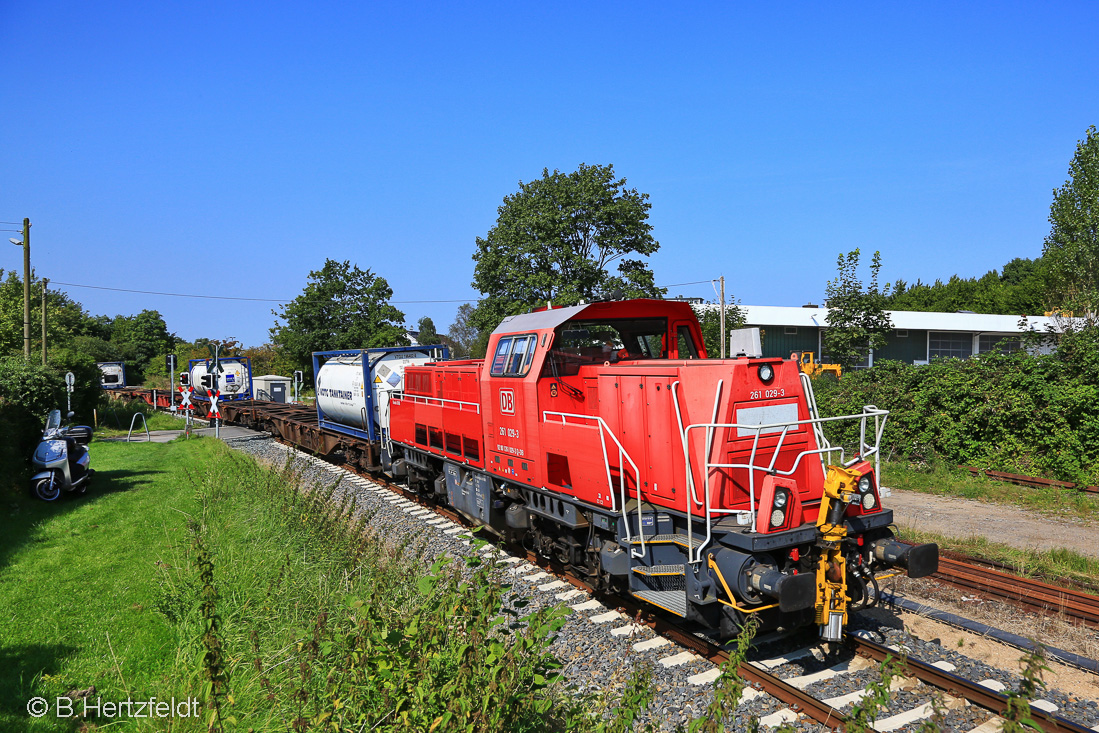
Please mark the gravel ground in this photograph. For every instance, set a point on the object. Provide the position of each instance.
(594, 659)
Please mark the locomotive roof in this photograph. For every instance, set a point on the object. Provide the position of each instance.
(538, 320)
(554, 317)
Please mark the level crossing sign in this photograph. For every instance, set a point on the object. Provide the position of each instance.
(185, 398)
(214, 394)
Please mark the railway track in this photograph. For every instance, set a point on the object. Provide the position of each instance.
(1031, 481)
(794, 693)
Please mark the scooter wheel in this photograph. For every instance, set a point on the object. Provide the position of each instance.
(43, 491)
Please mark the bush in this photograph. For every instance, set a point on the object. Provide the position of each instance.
(87, 392)
(28, 392)
(1023, 413)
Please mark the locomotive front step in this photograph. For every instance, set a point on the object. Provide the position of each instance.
(678, 539)
(674, 601)
(652, 570)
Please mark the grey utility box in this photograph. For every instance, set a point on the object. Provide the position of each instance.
(271, 388)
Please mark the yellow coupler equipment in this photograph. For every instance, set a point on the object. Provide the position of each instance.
(840, 489)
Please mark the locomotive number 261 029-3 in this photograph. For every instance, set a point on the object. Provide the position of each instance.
(766, 394)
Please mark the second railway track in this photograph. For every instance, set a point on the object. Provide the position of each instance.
(1033, 595)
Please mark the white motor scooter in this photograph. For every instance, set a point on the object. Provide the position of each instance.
(61, 459)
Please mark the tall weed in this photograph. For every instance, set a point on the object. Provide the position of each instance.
(301, 618)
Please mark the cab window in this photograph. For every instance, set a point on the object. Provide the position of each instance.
(513, 356)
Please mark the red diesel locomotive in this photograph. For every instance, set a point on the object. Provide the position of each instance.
(599, 435)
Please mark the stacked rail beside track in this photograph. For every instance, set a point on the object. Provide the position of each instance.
(1034, 595)
(1032, 481)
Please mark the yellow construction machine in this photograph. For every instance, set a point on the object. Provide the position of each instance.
(807, 359)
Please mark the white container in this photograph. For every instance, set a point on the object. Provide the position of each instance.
(113, 375)
(232, 381)
(341, 389)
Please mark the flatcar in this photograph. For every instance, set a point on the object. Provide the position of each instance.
(601, 436)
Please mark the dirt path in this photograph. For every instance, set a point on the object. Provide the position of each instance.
(1009, 525)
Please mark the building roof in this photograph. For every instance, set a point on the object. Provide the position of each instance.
(774, 315)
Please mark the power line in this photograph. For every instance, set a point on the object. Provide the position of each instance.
(174, 295)
(282, 300)
(696, 282)
(226, 297)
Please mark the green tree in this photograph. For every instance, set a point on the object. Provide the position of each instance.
(709, 319)
(427, 335)
(66, 319)
(342, 307)
(555, 240)
(143, 341)
(857, 321)
(1072, 246)
(1020, 290)
(463, 335)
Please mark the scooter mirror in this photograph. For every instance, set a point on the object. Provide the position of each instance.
(70, 415)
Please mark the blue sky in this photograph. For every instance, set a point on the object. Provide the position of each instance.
(228, 148)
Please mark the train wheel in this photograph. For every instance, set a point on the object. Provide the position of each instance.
(732, 623)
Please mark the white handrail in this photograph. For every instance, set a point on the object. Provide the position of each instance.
(814, 411)
(622, 454)
(443, 402)
(679, 419)
(866, 450)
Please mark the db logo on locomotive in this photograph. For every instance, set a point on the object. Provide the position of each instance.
(507, 402)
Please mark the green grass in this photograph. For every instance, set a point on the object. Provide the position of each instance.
(1055, 566)
(190, 571)
(78, 581)
(945, 480)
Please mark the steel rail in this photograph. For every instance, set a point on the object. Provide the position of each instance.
(798, 700)
(976, 694)
(786, 693)
(1035, 482)
(795, 698)
(1031, 594)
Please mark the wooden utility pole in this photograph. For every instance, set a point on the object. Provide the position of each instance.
(45, 284)
(26, 288)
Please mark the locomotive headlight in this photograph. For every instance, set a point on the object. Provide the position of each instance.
(864, 484)
(766, 373)
(780, 499)
(869, 501)
(777, 518)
